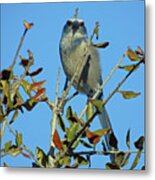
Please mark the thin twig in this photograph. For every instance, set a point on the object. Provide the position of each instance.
(19, 47)
(55, 114)
(103, 152)
(121, 83)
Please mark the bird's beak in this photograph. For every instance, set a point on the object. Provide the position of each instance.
(75, 26)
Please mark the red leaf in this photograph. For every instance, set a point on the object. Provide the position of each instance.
(93, 138)
(25, 155)
(57, 141)
(39, 94)
(37, 85)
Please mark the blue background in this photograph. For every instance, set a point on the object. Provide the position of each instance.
(121, 23)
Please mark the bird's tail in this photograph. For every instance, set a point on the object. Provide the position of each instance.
(110, 139)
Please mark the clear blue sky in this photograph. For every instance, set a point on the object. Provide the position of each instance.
(121, 23)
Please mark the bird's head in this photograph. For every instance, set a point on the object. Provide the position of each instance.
(75, 27)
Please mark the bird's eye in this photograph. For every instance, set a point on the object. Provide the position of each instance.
(69, 23)
(81, 23)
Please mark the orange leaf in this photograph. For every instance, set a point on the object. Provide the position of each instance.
(25, 155)
(39, 94)
(27, 25)
(37, 85)
(57, 141)
(93, 138)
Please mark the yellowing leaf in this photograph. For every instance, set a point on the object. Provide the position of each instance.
(27, 25)
(37, 85)
(132, 55)
(129, 67)
(101, 45)
(7, 146)
(101, 132)
(129, 94)
(71, 132)
(136, 160)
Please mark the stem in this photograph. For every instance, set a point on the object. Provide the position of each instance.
(103, 152)
(55, 114)
(19, 47)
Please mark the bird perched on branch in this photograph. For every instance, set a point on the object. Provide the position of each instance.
(81, 59)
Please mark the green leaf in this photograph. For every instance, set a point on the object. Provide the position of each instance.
(71, 132)
(101, 132)
(136, 160)
(14, 150)
(129, 94)
(61, 122)
(97, 103)
(132, 55)
(14, 116)
(69, 112)
(128, 138)
(84, 143)
(80, 160)
(129, 67)
(41, 156)
(65, 160)
(110, 166)
(140, 143)
(119, 158)
(7, 146)
(19, 139)
(26, 86)
(89, 111)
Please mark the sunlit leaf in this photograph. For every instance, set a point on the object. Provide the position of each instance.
(129, 94)
(61, 122)
(7, 146)
(37, 85)
(14, 150)
(19, 139)
(129, 67)
(96, 30)
(89, 111)
(128, 138)
(30, 104)
(14, 116)
(132, 55)
(26, 86)
(136, 160)
(139, 144)
(97, 103)
(71, 132)
(101, 45)
(40, 93)
(139, 51)
(28, 25)
(57, 141)
(101, 132)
